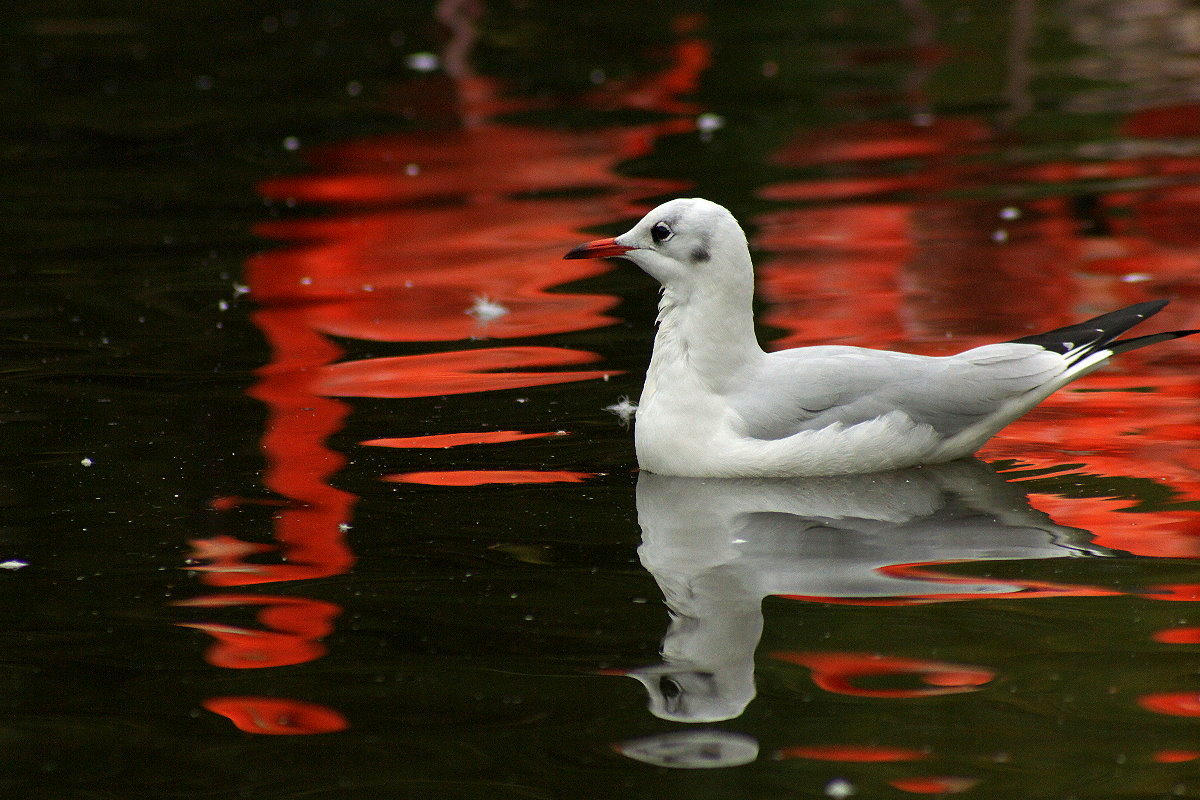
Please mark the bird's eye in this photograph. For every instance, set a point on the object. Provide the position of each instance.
(669, 687)
(661, 232)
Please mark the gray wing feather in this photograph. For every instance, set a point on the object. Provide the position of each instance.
(814, 387)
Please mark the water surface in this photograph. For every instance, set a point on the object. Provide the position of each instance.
(314, 487)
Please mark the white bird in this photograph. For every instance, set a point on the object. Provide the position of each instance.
(716, 405)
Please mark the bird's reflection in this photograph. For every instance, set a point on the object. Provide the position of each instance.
(718, 547)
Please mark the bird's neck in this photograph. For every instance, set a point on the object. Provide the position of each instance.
(710, 335)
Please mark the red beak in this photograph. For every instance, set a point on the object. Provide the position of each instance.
(601, 248)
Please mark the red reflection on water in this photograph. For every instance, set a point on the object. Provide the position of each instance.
(481, 477)
(277, 717)
(438, 274)
(934, 784)
(1175, 756)
(938, 571)
(1026, 589)
(295, 627)
(225, 550)
(837, 672)
(898, 255)
(445, 440)
(885, 140)
(1176, 704)
(458, 372)
(852, 752)
(1188, 635)
(309, 530)
(487, 161)
(469, 246)
(1179, 592)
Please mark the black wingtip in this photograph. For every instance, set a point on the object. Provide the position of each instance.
(1125, 345)
(1100, 333)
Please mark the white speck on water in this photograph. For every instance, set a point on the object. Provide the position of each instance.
(1135, 277)
(484, 309)
(12, 563)
(343, 527)
(1010, 213)
(422, 62)
(522, 399)
(624, 408)
(408, 284)
(839, 788)
(306, 281)
(708, 123)
(1000, 236)
(223, 305)
(368, 287)
(291, 143)
(87, 462)
(240, 289)
(412, 169)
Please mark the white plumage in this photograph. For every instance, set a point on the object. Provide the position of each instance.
(716, 405)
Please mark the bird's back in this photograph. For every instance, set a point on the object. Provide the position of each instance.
(812, 388)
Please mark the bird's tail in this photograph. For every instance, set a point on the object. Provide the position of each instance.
(1083, 339)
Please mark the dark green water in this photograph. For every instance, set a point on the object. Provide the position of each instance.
(242, 241)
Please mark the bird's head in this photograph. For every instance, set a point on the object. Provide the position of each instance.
(682, 243)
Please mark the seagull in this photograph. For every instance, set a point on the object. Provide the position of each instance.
(716, 405)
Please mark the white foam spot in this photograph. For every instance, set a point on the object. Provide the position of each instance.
(839, 788)
(485, 309)
(422, 62)
(624, 408)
